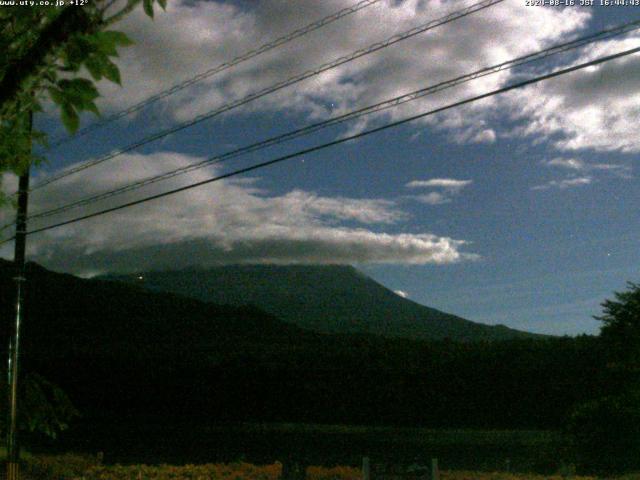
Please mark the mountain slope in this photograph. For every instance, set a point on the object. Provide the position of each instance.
(129, 356)
(331, 299)
(121, 350)
(66, 315)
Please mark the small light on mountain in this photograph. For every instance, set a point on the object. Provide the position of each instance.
(140, 277)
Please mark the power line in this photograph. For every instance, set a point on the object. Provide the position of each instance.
(219, 68)
(276, 87)
(378, 107)
(342, 140)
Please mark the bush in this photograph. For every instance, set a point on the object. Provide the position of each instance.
(48, 467)
(232, 471)
(607, 434)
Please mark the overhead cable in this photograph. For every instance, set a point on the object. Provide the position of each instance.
(339, 141)
(378, 107)
(218, 69)
(274, 88)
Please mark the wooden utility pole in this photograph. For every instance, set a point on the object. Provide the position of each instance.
(13, 450)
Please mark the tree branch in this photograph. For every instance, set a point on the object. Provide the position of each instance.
(72, 20)
(122, 13)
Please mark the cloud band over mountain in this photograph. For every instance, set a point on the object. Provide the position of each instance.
(225, 222)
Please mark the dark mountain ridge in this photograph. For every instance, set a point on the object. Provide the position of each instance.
(322, 298)
(72, 315)
(130, 356)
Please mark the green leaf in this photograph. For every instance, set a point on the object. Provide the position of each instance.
(111, 72)
(78, 50)
(147, 5)
(116, 38)
(71, 60)
(70, 118)
(56, 95)
(102, 44)
(94, 67)
(50, 75)
(91, 106)
(163, 4)
(74, 96)
(80, 88)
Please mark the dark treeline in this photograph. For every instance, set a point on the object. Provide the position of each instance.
(119, 350)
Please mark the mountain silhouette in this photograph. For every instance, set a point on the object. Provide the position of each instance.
(322, 298)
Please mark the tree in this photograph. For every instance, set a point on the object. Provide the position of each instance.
(607, 430)
(47, 410)
(606, 433)
(620, 331)
(45, 53)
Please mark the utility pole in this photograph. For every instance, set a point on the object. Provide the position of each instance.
(13, 450)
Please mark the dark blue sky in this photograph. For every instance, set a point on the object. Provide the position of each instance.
(540, 184)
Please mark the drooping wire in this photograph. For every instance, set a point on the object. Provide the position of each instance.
(306, 151)
(274, 88)
(378, 107)
(218, 69)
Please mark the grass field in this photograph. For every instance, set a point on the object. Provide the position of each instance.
(75, 467)
(326, 445)
(333, 452)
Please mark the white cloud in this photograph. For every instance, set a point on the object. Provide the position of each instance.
(225, 222)
(484, 136)
(570, 163)
(595, 108)
(340, 208)
(449, 183)
(589, 171)
(194, 36)
(565, 183)
(449, 187)
(433, 198)
(401, 293)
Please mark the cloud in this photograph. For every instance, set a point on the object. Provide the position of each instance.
(449, 183)
(467, 131)
(565, 183)
(433, 198)
(570, 163)
(619, 169)
(484, 136)
(401, 293)
(449, 187)
(225, 222)
(589, 172)
(595, 108)
(192, 37)
(340, 208)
